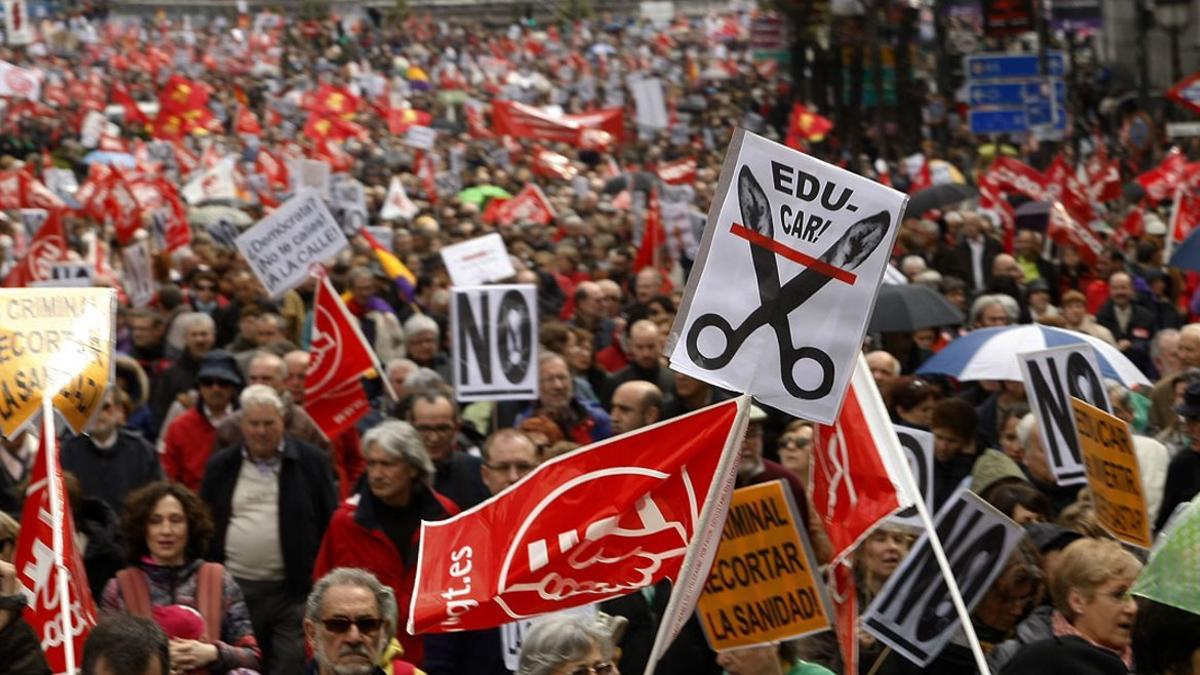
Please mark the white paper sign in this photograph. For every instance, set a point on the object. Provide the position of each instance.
(71, 273)
(1052, 377)
(786, 278)
(918, 450)
(62, 182)
(314, 174)
(93, 125)
(478, 261)
(285, 246)
(495, 342)
(18, 25)
(139, 275)
(651, 105)
(420, 137)
(913, 613)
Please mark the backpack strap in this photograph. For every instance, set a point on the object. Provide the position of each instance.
(135, 591)
(210, 596)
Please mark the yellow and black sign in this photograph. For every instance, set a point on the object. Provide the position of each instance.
(57, 339)
(763, 585)
(1112, 473)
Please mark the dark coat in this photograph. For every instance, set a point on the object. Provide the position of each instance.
(21, 650)
(959, 263)
(1067, 655)
(1141, 328)
(479, 652)
(177, 379)
(112, 473)
(689, 653)
(307, 498)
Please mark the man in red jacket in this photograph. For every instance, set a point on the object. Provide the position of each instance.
(190, 438)
(378, 528)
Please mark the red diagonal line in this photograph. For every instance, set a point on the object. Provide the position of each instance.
(792, 254)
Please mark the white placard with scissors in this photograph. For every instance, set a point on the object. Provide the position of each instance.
(786, 278)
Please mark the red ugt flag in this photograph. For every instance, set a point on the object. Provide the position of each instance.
(857, 466)
(38, 574)
(48, 247)
(333, 394)
(596, 523)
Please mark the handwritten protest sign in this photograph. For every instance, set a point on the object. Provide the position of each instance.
(762, 586)
(478, 261)
(1112, 474)
(283, 247)
(786, 278)
(56, 339)
(1052, 376)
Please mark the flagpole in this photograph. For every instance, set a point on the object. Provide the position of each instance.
(53, 488)
(935, 544)
(1170, 245)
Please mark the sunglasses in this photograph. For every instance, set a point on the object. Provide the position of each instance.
(341, 624)
(210, 382)
(598, 669)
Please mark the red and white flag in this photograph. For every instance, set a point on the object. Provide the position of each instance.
(599, 522)
(47, 247)
(679, 172)
(397, 204)
(245, 122)
(530, 205)
(333, 393)
(1161, 181)
(40, 572)
(856, 470)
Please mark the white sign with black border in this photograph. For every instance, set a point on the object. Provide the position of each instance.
(494, 353)
(786, 278)
(478, 261)
(913, 613)
(1052, 376)
(918, 450)
(284, 247)
(139, 273)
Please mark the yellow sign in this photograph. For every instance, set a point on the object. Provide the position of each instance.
(1112, 473)
(762, 586)
(58, 339)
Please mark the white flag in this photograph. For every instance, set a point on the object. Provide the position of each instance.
(397, 204)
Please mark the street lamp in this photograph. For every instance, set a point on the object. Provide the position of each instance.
(1173, 16)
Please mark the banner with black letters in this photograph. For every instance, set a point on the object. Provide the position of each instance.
(1052, 376)
(786, 278)
(913, 613)
(494, 352)
(918, 451)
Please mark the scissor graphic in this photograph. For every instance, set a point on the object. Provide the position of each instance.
(777, 302)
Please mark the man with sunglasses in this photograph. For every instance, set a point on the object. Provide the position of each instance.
(348, 620)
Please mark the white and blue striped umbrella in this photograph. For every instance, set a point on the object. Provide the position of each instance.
(991, 354)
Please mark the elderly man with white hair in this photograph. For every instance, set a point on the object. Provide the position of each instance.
(253, 489)
(423, 340)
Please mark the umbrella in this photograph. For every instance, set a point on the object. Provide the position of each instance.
(205, 216)
(991, 354)
(938, 196)
(479, 194)
(121, 159)
(1032, 216)
(631, 180)
(903, 308)
(1187, 253)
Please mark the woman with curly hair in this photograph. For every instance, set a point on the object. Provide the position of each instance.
(166, 529)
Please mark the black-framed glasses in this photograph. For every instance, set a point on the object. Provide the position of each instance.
(342, 624)
(598, 669)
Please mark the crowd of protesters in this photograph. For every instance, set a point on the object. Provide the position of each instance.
(202, 450)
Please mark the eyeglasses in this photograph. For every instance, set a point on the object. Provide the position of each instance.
(341, 624)
(598, 669)
(521, 468)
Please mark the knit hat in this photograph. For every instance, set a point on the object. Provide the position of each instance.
(992, 467)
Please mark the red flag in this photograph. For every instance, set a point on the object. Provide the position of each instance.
(593, 524)
(39, 573)
(133, 114)
(1185, 216)
(427, 173)
(1104, 178)
(856, 466)
(653, 236)
(333, 393)
(330, 101)
(679, 172)
(1065, 186)
(528, 206)
(920, 176)
(1015, 176)
(246, 123)
(550, 164)
(806, 126)
(1065, 229)
(844, 594)
(1161, 181)
(275, 170)
(47, 247)
(400, 119)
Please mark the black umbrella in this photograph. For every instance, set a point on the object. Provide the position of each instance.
(1032, 216)
(642, 181)
(903, 308)
(938, 196)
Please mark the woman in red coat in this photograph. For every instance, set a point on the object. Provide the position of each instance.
(378, 527)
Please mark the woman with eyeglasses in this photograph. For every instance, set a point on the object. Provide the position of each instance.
(166, 529)
(1094, 614)
(572, 644)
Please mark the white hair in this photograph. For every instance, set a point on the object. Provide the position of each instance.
(260, 394)
(400, 440)
(420, 323)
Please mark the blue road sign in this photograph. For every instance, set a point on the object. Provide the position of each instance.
(995, 66)
(1005, 121)
(997, 93)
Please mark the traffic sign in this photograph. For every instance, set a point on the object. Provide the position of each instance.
(1187, 92)
(995, 66)
(1005, 121)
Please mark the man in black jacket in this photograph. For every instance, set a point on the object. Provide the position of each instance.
(1132, 325)
(271, 498)
(110, 461)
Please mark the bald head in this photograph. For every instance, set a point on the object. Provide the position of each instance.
(297, 367)
(635, 404)
(267, 368)
(645, 344)
(884, 368)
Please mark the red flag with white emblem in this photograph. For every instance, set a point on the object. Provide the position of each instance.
(41, 572)
(48, 247)
(333, 393)
(601, 521)
(856, 469)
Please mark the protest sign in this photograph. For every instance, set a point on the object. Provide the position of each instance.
(283, 248)
(1112, 474)
(1052, 376)
(815, 239)
(19, 27)
(68, 274)
(912, 613)
(918, 450)
(54, 339)
(349, 199)
(763, 583)
(650, 103)
(495, 333)
(139, 274)
(478, 261)
(314, 174)
(421, 138)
